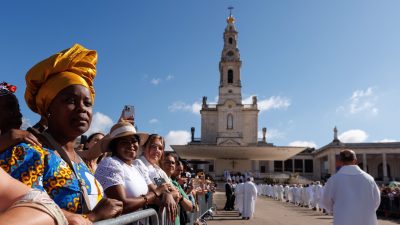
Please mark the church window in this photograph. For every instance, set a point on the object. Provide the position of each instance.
(229, 122)
(230, 76)
(229, 91)
(230, 40)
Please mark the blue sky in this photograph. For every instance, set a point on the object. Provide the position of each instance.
(313, 64)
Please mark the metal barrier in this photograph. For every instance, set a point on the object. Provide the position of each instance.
(133, 218)
(390, 205)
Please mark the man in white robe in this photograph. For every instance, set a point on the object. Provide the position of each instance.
(249, 199)
(239, 193)
(351, 194)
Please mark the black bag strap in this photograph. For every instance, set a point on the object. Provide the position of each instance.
(49, 140)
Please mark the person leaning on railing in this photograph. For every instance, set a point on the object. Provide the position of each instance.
(60, 89)
(119, 177)
(168, 164)
(149, 165)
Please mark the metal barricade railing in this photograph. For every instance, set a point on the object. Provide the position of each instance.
(389, 205)
(133, 218)
(164, 218)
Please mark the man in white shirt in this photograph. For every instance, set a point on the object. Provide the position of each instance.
(351, 194)
(249, 199)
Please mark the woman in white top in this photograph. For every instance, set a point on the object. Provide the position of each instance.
(119, 177)
(149, 166)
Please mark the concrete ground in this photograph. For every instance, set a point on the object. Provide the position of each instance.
(271, 212)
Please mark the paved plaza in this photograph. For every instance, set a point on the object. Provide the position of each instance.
(271, 212)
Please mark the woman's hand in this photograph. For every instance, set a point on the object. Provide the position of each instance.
(170, 205)
(105, 209)
(15, 136)
(75, 219)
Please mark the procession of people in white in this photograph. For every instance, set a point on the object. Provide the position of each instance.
(297, 194)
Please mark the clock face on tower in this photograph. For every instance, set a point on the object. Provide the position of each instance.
(230, 53)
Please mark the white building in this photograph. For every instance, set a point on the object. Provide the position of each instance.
(229, 136)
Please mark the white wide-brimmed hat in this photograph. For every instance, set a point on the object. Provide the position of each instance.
(122, 129)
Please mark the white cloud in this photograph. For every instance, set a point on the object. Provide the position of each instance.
(310, 144)
(182, 106)
(274, 102)
(155, 81)
(361, 101)
(100, 123)
(25, 123)
(387, 140)
(353, 136)
(154, 120)
(169, 77)
(177, 137)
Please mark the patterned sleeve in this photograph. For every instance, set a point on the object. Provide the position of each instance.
(25, 163)
(109, 173)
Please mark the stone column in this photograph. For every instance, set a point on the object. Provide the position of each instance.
(270, 166)
(317, 168)
(332, 163)
(384, 167)
(283, 165)
(255, 165)
(293, 165)
(365, 162)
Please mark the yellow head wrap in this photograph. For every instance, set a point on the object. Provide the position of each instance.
(76, 65)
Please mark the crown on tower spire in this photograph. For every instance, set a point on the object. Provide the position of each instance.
(230, 19)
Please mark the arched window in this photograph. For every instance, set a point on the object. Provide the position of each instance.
(229, 121)
(230, 76)
(230, 40)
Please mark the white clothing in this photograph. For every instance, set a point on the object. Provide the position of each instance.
(239, 193)
(113, 171)
(249, 199)
(150, 171)
(353, 197)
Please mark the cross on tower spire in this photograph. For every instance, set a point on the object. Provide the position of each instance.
(230, 10)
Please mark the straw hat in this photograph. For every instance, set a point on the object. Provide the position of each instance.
(122, 129)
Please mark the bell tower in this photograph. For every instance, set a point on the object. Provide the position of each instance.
(229, 122)
(229, 66)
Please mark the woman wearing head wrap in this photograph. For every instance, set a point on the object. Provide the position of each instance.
(60, 89)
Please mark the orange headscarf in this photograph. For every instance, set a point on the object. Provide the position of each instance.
(76, 65)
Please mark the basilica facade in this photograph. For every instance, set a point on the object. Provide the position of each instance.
(229, 140)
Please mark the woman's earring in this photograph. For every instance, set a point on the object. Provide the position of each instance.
(48, 115)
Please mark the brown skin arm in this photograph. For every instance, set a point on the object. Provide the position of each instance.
(15, 136)
(186, 204)
(93, 153)
(107, 208)
(26, 216)
(130, 204)
(75, 219)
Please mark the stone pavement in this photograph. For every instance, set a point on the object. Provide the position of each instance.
(271, 212)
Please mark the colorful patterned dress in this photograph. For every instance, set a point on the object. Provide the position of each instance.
(43, 169)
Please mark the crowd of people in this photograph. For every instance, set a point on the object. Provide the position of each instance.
(308, 195)
(110, 174)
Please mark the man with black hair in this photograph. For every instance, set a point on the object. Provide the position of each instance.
(351, 194)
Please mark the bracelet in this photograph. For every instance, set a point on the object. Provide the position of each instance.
(85, 216)
(145, 201)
